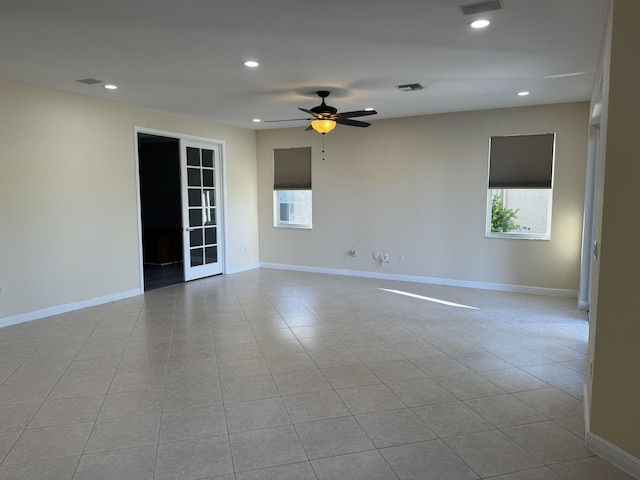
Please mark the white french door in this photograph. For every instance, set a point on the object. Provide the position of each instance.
(201, 212)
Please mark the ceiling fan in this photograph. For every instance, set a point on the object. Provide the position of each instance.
(325, 117)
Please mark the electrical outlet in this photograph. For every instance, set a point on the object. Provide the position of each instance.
(376, 255)
(401, 257)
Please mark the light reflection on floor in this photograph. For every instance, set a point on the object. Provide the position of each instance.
(434, 300)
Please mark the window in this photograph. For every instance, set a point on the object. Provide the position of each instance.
(519, 195)
(292, 187)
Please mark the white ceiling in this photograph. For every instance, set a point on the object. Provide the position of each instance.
(186, 56)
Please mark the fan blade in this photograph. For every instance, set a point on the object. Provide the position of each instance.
(288, 120)
(308, 128)
(310, 112)
(351, 123)
(358, 113)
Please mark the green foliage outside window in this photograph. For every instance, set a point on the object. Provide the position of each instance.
(503, 219)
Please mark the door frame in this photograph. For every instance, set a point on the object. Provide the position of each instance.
(222, 186)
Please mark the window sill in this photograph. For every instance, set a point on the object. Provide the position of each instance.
(518, 236)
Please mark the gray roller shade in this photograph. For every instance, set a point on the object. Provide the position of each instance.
(523, 161)
(292, 168)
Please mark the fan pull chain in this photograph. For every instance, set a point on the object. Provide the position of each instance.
(323, 147)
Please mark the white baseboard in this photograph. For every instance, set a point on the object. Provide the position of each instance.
(556, 292)
(58, 309)
(583, 306)
(612, 454)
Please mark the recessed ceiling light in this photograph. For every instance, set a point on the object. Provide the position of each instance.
(256, 120)
(480, 23)
(110, 86)
(524, 93)
(369, 109)
(251, 63)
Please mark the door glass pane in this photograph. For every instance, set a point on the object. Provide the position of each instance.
(207, 158)
(195, 237)
(193, 156)
(209, 198)
(209, 216)
(210, 236)
(195, 217)
(197, 257)
(208, 179)
(195, 199)
(193, 177)
(211, 254)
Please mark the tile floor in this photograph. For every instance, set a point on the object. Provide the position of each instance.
(281, 375)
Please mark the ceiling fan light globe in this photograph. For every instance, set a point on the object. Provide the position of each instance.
(323, 126)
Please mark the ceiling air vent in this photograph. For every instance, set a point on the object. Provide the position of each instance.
(410, 87)
(90, 81)
(481, 7)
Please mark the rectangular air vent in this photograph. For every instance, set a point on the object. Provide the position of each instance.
(481, 7)
(90, 81)
(410, 87)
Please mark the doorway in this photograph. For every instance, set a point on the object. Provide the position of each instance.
(161, 212)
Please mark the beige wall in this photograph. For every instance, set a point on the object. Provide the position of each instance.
(68, 195)
(417, 186)
(615, 399)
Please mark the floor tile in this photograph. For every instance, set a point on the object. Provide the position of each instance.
(17, 417)
(305, 381)
(308, 407)
(184, 424)
(68, 410)
(416, 393)
(431, 460)
(192, 395)
(451, 419)
(268, 447)
(514, 380)
(293, 471)
(369, 465)
(394, 427)
(371, 398)
(548, 442)
(130, 464)
(194, 459)
(56, 469)
(86, 386)
(129, 404)
(350, 376)
(555, 374)
(49, 442)
(551, 402)
(247, 389)
(440, 366)
(505, 411)
(336, 436)
(397, 371)
(491, 453)
(542, 473)
(469, 386)
(256, 414)
(123, 432)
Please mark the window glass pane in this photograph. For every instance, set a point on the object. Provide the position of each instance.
(193, 177)
(208, 178)
(197, 257)
(193, 156)
(195, 198)
(195, 238)
(207, 158)
(210, 254)
(520, 211)
(293, 208)
(210, 236)
(195, 217)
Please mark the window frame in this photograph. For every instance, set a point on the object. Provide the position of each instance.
(520, 235)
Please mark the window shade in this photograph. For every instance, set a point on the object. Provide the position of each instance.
(523, 161)
(292, 168)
